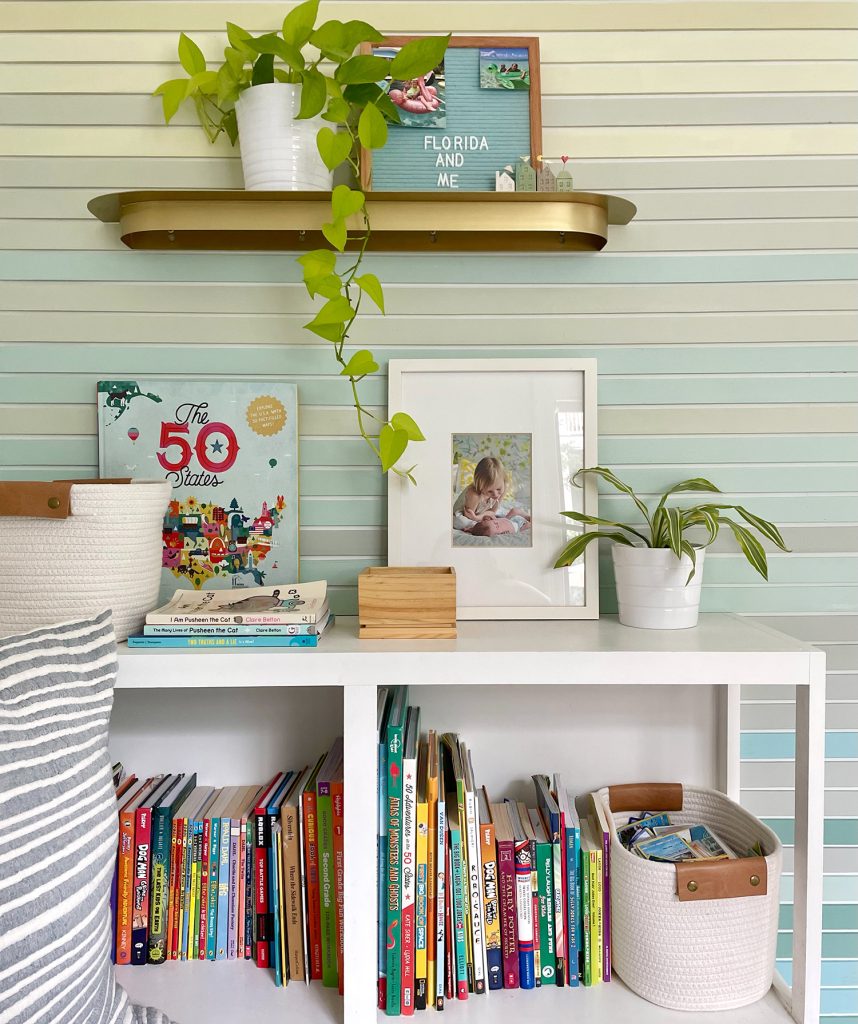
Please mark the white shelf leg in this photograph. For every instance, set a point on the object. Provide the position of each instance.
(361, 812)
(730, 735)
(809, 822)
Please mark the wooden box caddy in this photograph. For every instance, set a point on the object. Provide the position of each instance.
(407, 603)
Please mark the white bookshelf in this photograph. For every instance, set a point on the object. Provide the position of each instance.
(602, 703)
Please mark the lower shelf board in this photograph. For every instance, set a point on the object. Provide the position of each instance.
(228, 993)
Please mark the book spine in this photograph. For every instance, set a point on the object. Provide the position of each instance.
(409, 887)
(274, 889)
(124, 887)
(459, 897)
(292, 886)
(441, 907)
(563, 966)
(293, 629)
(311, 856)
(199, 924)
(232, 895)
(140, 899)
(573, 863)
(187, 859)
(449, 935)
(508, 914)
(205, 859)
(262, 845)
(241, 895)
(381, 874)
(431, 895)
(156, 642)
(524, 914)
(327, 885)
(596, 917)
(178, 884)
(491, 906)
(337, 807)
(545, 891)
(475, 894)
(394, 870)
(159, 884)
(176, 830)
(421, 908)
(606, 906)
(223, 889)
(278, 618)
(584, 872)
(283, 957)
(534, 899)
(214, 881)
(249, 903)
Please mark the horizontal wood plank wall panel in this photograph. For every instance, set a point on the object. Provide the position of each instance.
(724, 318)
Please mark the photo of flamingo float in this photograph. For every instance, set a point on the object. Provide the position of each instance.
(421, 101)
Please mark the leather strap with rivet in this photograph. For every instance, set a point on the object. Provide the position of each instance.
(38, 499)
(721, 879)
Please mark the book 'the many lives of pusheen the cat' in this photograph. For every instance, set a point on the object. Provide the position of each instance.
(230, 451)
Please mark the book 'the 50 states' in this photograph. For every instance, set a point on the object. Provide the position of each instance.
(230, 451)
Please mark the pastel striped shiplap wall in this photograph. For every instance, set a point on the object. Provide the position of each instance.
(723, 318)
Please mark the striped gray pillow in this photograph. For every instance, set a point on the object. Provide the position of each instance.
(58, 829)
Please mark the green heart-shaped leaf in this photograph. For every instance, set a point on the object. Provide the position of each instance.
(190, 55)
(391, 444)
(402, 421)
(360, 364)
(333, 147)
(345, 201)
(370, 284)
(336, 234)
(372, 128)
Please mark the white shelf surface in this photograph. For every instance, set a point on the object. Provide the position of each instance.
(228, 992)
(721, 649)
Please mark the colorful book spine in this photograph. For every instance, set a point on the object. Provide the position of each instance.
(421, 907)
(449, 940)
(491, 906)
(214, 883)
(159, 883)
(205, 861)
(222, 890)
(327, 885)
(140, 897)
(197, 924)
(382, 873)
(508, 914)
(249, 902)
(261, 883)
(175, 862)
(337, 808)
(187, 859)
(474, 885)
(409, 886)
(161, 642)
(524, 914)
(232, 894)
(274, 889)
(459, 925)
(291, 840)
(311, 856)
(294, 629)
(545, 902)
(596, 903)
(283, 958)
(587, 953)
(441, 900)
(394, 868)
(572, 836)
(241, 894)
(431, 885)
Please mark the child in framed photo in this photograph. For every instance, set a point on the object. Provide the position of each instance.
(492, 490)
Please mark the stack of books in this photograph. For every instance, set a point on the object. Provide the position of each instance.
(291, 615)
(239, 873)
(477, 895)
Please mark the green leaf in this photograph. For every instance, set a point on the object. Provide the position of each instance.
(227, 84)
(238, 38)
(356, 32)
(360, 364)
(330, 332)
(173, 94)
(766, 528)
(328, 285)
(752, 549)
(334, 311)
(576, 547)
(386, 105)
(402, 421)
(610, 477)
(313, 93)
(688, 549)
(418, 57)
(333, 147)
(317, 262)
(263, 70)
(579, 517)
(298, 23)
(230, 126)
(362, 69)
(338, 111)
(345, 201)
(236, 59)
(702, 517)
(331, 39)
(190, 55)
(674, 530)
(336, 234)
(391, 445)
(370, 284)
(698, 483)
(360, 95)
(205, 81)
(272, 45)
(372, 128)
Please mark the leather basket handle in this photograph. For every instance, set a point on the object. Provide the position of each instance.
(39, 499)
(721, 879)
(646, 796)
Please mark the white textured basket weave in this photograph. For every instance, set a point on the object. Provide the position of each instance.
(106, 554)
(712, 954)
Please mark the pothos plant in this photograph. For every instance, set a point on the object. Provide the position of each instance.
(667, 527)
(342, 87)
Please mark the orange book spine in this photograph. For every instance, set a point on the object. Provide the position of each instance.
(124, 886)
(339, 873)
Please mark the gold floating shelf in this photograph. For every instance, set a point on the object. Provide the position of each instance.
(401, 221)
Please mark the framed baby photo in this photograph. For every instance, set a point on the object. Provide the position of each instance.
(504, 437)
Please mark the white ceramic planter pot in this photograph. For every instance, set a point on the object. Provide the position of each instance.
(651, 590)
(277, 151)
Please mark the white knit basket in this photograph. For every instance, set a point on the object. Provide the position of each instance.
(714, 954)
(106, 554)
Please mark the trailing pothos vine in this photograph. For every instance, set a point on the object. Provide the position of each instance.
(342, 87)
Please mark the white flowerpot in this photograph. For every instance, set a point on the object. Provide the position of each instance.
(651, 588)
(277, 151)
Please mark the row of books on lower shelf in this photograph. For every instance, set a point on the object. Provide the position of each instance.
(294, 615)
(239, 873)
(476, 895)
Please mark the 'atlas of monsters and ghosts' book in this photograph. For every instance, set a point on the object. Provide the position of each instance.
(238, 873)
(475, 895)
(230, 451)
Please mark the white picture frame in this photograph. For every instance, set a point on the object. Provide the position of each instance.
(478, 405)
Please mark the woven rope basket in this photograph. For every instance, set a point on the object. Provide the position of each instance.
(709, 950)
(72, 549)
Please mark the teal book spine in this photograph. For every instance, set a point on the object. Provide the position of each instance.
(160, 642)
(327, 885)
(214, 877)
(460, 944)
(159, 883)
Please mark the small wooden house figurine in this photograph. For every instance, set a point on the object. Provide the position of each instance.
(564, 181)
(546, 179)
(504, 181)
(525, 176)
